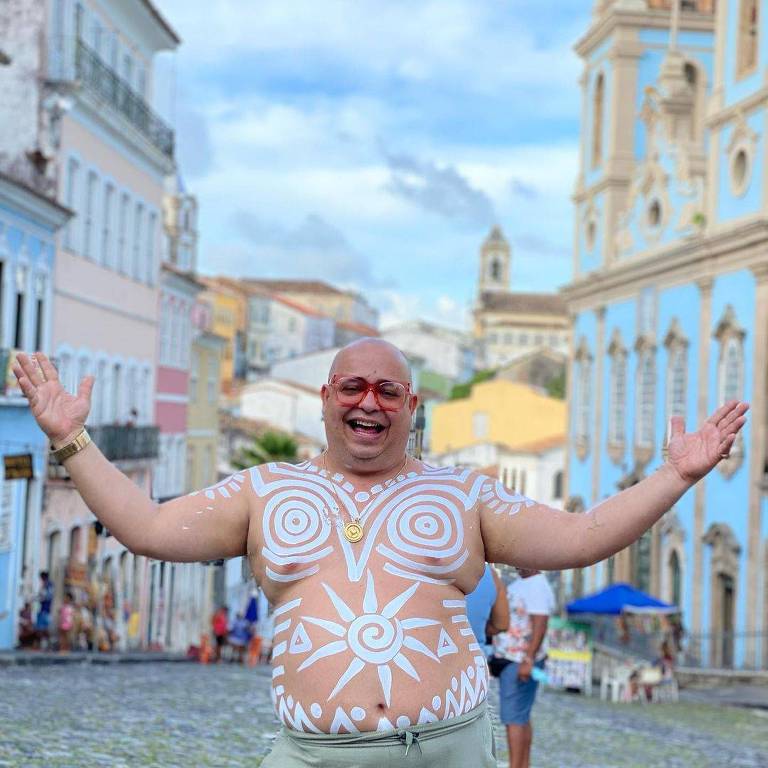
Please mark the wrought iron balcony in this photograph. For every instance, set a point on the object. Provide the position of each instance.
(119, 442)
(105, 84)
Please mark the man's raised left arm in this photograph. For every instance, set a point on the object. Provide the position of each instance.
(520, 532)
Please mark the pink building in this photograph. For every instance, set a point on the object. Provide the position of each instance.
(178, 292)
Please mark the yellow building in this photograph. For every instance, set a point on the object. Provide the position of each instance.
(203, 412)
(230, 312)
(497, 411)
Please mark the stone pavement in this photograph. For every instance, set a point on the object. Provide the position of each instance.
(187, 715)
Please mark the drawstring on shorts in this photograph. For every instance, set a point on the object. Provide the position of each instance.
(408, 739)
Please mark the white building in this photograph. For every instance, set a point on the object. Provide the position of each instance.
(535, 470)
(280, 328)
(283, 405)
(443, 350)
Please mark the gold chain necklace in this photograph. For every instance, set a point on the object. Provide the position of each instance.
(353, 529)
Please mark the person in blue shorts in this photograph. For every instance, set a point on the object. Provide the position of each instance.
(523, 647)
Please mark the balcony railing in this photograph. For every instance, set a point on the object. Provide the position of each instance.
(104, 83)
(122, 443)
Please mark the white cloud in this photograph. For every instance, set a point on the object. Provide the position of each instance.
(284, 106)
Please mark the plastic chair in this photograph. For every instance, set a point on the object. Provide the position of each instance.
(614, 684)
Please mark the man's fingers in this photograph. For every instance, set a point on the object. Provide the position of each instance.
(722, 411)
(27, 389)
(85, 388)
(48, 368)
(733, 415)
(30, 368)
(726, 445)
(676, 426)
(735, 426)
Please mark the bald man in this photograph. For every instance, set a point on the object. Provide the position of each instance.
(366, 555)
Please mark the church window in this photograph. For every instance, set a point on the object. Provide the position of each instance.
(591, 234)
(677, 377)
(495, 269)
(654, 214)
(582, 389)
(746, 47)
(618, 395)
(646, 380)
(598, 107)
(732, 371)
(740, 171)
(675, 579)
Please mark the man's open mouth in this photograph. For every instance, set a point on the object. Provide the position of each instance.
(364, 427)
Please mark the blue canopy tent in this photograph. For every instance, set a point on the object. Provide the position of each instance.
(617, 599)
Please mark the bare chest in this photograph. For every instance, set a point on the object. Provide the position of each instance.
(419, 527)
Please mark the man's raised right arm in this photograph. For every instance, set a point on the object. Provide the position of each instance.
(207, 525)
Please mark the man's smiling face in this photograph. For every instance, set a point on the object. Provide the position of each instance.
(364, 436)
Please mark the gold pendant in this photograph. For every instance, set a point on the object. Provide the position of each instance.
(353, 531)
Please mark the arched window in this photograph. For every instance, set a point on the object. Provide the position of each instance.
(557, 485)
(54, 556)
(732, 371)
(730, 376)
(677, 371)
(746, 47)
(646, 381)
(598, 106)
(495, 269)
(675, 578)
(582, 406)
(617, 413)
(75, 544)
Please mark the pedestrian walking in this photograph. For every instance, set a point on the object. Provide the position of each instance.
(220, 627)
(367, 555)
(66, 622)
(519, 656)
(487, 607)
(44, 601)
(239, 637)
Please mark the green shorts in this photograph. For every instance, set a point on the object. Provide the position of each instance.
(460, 742)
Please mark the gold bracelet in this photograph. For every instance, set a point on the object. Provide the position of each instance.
(71, 448)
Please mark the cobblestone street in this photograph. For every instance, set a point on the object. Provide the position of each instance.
(187, 715)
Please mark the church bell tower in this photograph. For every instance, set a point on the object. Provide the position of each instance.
(495, 256)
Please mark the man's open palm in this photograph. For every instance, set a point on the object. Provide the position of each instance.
(58, 413)
(694, 454)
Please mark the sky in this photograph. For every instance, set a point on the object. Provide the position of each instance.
(374, 143)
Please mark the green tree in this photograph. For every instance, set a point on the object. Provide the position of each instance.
(556, 386)
(460, 391)
(269, 446)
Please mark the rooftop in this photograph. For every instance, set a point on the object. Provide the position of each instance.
(524, 303)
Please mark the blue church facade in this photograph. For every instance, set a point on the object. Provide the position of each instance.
(28, 224)
(670, 300)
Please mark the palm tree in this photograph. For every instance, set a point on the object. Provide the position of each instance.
(269, 446)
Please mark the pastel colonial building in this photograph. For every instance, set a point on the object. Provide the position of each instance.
(28, 224)
(670, 300)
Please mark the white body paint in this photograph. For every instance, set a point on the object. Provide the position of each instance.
(355, 645)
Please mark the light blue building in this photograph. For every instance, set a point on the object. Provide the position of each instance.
(670, 300)
(28, 224)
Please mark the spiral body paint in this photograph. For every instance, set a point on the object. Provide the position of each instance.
(362, 645)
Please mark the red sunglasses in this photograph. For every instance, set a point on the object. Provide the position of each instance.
(352, 390)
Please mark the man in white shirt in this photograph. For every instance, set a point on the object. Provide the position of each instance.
(523, 645)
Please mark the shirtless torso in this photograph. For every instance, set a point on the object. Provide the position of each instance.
(369, 635)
